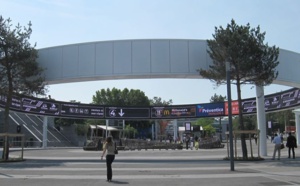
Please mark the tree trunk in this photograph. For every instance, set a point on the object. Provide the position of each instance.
(9, 93)
(242, 127)
(5, 154)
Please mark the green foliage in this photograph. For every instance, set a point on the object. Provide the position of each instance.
(252, 61)
(217, 98)
(95, 122)
(207, 125)
(157, 101)
(209, 130)
(281, 119)
(81, 129)
(19, 71)
(203, 122)
(250, 123)
(236, 123)
(68, 121)
(130, 131)
(116, 97)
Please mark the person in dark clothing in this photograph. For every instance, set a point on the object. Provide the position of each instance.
(291, 144)
(272, 137)
(187, 141)
(109, 147)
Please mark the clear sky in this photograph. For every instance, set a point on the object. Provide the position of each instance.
(61, 22)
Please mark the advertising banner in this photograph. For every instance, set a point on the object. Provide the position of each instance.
(15, 104)
(234, 108)
(249, 106)
(290, 98)
(173, 112)
(210, 109)
(40, 106)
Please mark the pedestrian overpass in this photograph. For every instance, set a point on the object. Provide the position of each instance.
(151, 58)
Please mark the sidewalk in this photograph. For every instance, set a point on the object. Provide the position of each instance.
(73, 166)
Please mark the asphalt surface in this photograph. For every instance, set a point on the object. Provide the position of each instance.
(76, 167)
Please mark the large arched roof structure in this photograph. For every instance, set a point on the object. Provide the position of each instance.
(140, 59)
(152, 58)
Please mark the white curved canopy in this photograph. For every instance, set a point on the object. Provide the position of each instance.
(140, 59)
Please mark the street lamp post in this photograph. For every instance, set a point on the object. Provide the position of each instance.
(229, 115)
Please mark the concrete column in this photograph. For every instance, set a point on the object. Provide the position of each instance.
(297, 118)
(45, 129)
(175, 127)
(261, 119)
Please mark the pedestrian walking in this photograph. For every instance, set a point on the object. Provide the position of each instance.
(109, 148)
(277, 147)
(291, 144)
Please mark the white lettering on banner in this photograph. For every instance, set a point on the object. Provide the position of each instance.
(212, 110)
(179, 110)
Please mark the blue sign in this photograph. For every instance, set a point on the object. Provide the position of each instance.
(210, 110)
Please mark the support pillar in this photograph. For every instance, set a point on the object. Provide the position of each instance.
(45, 129)
(175, 127)
(261, 120)
(123, 135)
(297, 119)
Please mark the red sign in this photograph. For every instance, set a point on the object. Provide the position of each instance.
(234, 108)
(290, 129)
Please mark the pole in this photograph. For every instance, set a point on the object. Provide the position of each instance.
(106, 132)
(123, 135)
(229, 115)
(45, 128)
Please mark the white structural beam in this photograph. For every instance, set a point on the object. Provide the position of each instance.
(175, 128)
(261, 120)
(297, 118)
(45, 129)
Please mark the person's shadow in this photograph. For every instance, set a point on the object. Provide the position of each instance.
(119, 182)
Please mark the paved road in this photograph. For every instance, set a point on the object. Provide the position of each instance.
(75, 167)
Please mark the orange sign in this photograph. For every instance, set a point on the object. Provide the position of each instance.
(234, 108)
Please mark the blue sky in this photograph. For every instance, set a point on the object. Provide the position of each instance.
(61, 22)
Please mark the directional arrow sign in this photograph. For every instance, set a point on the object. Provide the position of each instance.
(121, 113)
(127, 112)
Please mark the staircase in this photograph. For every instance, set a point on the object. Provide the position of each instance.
(32, 127)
